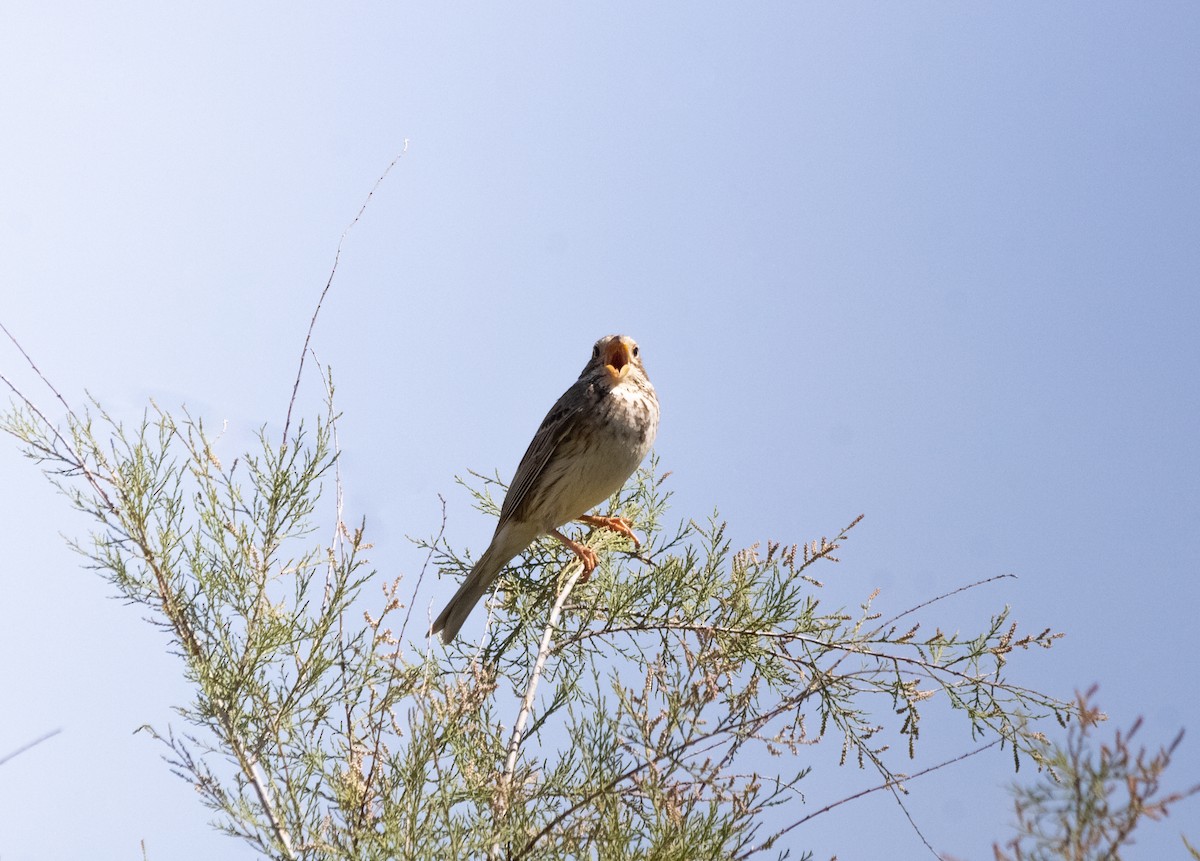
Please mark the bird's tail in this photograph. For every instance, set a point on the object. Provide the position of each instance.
(505, 545)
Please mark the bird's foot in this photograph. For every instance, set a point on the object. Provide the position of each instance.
(616, 524)
(587, 556)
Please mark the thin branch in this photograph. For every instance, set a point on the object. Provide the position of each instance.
(337, 256)
(37, 371)
(250, 768)
(895, 791)
(789, 636)
(73, 458)
(887, 784)
(424, 567)
(747, 726)
(518, 733)
(338, 539)
(20, 750)
(942, 597)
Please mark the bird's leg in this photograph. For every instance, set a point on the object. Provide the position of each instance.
(586, 555)
(616, 524)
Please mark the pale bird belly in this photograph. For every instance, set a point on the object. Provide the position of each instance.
(578, 484)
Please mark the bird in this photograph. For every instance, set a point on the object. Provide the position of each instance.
(587, 446)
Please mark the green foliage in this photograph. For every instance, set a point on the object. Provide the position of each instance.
(1090, 799)
(622, 719)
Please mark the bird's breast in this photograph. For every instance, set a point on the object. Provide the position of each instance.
(630, 414)
(592, 463)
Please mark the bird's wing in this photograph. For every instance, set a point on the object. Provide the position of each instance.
(557, 424)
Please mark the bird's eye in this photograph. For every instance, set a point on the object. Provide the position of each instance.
(635, 352)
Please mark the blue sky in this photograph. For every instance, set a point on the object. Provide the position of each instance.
(937, 263)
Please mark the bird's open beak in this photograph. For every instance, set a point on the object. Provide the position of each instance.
(617, 358)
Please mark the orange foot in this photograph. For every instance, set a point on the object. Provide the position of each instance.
(586, 555)
(616, 524)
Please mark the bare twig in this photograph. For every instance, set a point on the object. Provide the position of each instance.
(943, 597)
(424, 567)
(338, 540)
(20, 750)
(37, 371)
(72, 457)
(887, 784)
(337, 256)
(250, 769)
(743, 727)
(518, 733)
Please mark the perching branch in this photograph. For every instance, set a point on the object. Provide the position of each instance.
(514, 744)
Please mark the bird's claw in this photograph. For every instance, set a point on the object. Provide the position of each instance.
(587, 556)
(616, 524)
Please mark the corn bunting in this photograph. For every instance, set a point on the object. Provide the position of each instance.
(590, 442)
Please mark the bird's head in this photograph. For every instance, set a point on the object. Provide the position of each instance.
(617, 355)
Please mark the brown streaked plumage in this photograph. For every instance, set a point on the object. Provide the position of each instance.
(589, 443)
